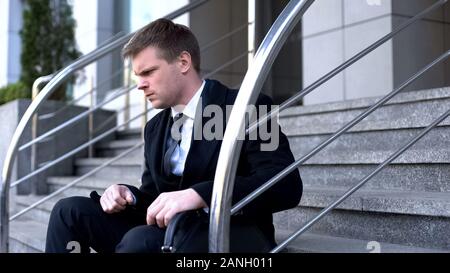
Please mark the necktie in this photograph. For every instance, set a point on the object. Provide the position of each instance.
(173, 142)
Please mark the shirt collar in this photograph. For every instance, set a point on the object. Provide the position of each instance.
(191, 107)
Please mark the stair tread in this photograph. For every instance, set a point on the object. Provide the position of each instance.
(127, 161)
(402, 97)
(380, 200)
(117, 144)
(325, 128)
(91, 182)
(135, 131)
(29, 232)
(28, 200)
(363, 157)
(318, 243)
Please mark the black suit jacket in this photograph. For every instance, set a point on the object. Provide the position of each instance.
(254, 168)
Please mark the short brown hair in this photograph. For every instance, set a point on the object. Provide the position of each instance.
(170, 38)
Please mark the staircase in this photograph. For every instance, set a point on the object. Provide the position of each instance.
(407, 205)
(28, 232)
(405, 208)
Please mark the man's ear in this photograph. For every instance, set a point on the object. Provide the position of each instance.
(185, 61)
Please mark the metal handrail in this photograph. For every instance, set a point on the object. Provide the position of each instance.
(340, 132)
(76, 150)
(229, 34)
(253, 81)
(343, 66)
(35, 105)
(362, 182)
(75, 119)
(76, 181)
(72, 102)
(230, 62)
(112, 117)
(225, 173)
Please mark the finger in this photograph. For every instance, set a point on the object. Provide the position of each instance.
(169, 215)
(102, 203)
(129, 196)
(160, 217)
(155, 203)
(118, 198)
(107, 205)
(152, 212)
(114, 205)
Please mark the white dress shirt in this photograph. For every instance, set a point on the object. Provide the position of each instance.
(178, 158)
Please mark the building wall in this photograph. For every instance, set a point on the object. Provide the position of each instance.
(212, 21)
(10, 25)
(353, 25)
(333, 31)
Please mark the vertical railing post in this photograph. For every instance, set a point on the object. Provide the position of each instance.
(37, 84)
(126, 113)
(251, 31)
(91, 116)
(34, 128)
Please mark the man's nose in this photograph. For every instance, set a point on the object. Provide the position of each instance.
(142, 84)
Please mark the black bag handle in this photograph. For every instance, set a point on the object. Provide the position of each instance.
(175, 224)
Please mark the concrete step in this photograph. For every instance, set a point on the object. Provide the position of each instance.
(395, 228)
(435, 204)
(129, 134)
(407, 177)
(402, 113)
(125, 168)
(438, 138)
(401, 98)
(116, 147)
(42, 212)
(27, 236)
(362, 157)
(91, 183)
(319, 243)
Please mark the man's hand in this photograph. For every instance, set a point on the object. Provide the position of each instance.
(162, 210)
(115, 198)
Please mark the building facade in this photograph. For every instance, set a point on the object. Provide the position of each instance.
(331, 32)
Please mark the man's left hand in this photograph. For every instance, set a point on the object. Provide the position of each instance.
(168, 204)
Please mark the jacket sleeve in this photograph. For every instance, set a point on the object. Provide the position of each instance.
(257, 167)
(147, 192)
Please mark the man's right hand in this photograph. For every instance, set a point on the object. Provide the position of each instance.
(115, 198)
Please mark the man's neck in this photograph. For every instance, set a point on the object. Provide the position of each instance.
(190, 89)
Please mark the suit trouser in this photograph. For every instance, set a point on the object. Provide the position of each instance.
(82, 221)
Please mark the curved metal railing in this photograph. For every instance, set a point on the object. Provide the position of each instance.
(231, 146)
(230, 149)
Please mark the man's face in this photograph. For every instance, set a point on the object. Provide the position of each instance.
(159, 80)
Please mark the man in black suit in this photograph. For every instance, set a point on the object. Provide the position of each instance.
(180, 166)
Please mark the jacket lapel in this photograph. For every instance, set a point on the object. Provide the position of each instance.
(155, 153)
(200, 154)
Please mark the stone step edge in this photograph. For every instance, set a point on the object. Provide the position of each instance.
(355, 104)
(89, 183)
(320, 243)
(434, 204)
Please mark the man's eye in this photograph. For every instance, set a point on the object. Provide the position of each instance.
(148, 72)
